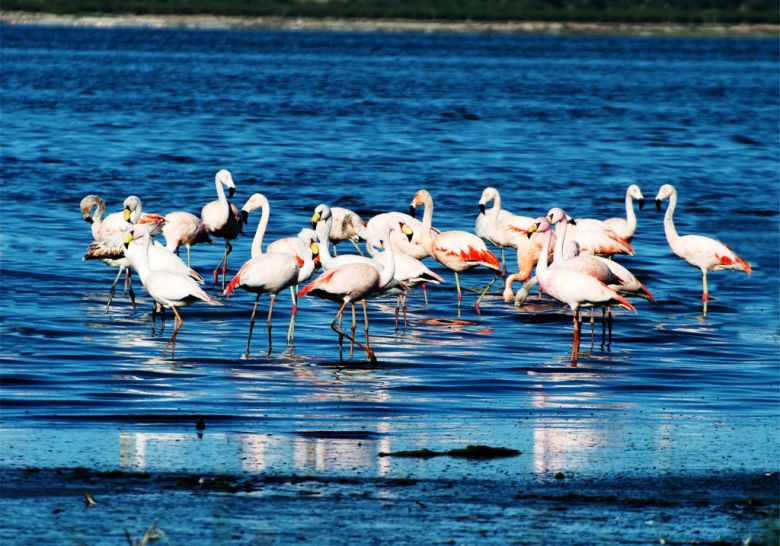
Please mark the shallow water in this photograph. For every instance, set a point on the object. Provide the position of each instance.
(363, 121)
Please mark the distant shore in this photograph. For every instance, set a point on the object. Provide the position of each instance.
(388, 25)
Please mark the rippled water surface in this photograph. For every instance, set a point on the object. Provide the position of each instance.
(363, 121)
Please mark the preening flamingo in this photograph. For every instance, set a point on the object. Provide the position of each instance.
(169, 289)
(222, 218)
(401, 243)
(622, 227)
(347, 226)
(108, 232)
(184, 228)
(703, 252)
(352, 282)
(265, 273)
(572, 287)
(457, 250)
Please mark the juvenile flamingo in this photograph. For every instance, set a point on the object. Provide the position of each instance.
(184, 228)
(457, 250)
(346, 226)
(265, 273)
(169, 289)
(572, 287)
(499, 226)
(222, 218)
(622, 227)
(352, 282)
(700, 251)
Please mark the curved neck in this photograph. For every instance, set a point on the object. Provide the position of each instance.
(426, 236)
(257, 241)
(388, 272)
(224, 206)
(671, 233)
(560, 236)
(141, 265)
(541, 266)
(323, 232)
(630, 216)
(97, 219)
(492, 214)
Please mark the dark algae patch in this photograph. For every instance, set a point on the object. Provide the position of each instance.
(469, 452)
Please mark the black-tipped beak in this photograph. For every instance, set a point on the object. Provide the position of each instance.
(127, 244)
(482, 208)
(658, 204)
(231, 191)
(88, 219)
(572, 222)
(245, 216)
(411, 211)
(409, 236)
(641, 203)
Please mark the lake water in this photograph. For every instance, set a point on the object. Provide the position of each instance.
(363, 120)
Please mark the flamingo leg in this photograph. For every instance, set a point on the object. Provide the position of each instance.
(609, 326)
(457, 286)
(113, 289)
(222, 263)
(293, 312)
(705, 296)
(603, 326)
(425, 292)
(270, 312)
(476, 304)
(575, 346)
(404, 302)
(365, 321)
(162, 315)
(177, 322)
(503, 263)
(354, 243)
(397, 311)
(354, 327)
(592, 329)
(251, 325)
(522, 294)
(132, 293)
(188, 255)
(369, 352)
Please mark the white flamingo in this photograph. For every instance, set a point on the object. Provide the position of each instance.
(622, 227)
(703, 252)
(456, 250)
(572, 287)
(347, 226)
(352, 282)
(498, 225)
(222, 219)
(266, 273)
(169, 289)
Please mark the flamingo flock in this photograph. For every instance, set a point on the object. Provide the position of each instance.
(572, 260)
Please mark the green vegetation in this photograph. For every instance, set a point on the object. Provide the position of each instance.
(606, 11)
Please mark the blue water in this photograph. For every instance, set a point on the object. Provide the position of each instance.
(363, 120)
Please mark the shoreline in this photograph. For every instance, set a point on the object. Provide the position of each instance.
(388, 25)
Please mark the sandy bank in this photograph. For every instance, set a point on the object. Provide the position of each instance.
(364, 25)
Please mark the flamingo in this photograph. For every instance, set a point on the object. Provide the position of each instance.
(353, 282)
(168, 289)
(624, 228)
(457, 250)
(497, 225)
(266, 273)
(346, 226)
(222, 218)
(700, 251)
(184, 228)
(571, 287)
(322, 220)
(108, 230)
(401, 244)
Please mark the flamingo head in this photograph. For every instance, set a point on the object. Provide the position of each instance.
(664, 192)
(226, 179)
(87, 204)
(255, 201)
(133, 232)
(132, 210)
(556, 214)
(541, 224)
(321, 212)
(488, 195)
(419, 199)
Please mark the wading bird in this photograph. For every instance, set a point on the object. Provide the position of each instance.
(222, 219)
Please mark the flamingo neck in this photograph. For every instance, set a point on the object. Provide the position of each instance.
(141, 265)
(323, 232)
(97, 219)
(560, 236)
(224, 206)
(426, 235)
(492, 214)
(541, 265)
(372, 251)
(671, 232)
(630, 215)
(257, 240)
(388, 272)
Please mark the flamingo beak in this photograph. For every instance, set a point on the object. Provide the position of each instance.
(406, 230)
(127, 213)
(244, 216)
(128, 238)
(88, 219)
(482, 208)
(532, 229)
(411, 210)
(315, 249)
(641, 203)
(231, 191)
(658, 204)
(315, 219)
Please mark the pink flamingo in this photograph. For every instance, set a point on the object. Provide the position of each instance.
(222, 218)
